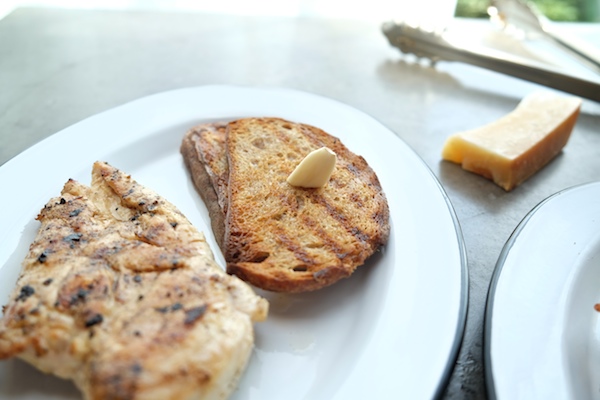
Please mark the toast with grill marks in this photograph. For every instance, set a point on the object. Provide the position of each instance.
(276, 236)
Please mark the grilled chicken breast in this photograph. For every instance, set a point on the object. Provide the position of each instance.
(121, 294)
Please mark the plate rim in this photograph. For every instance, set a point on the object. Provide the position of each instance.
(463, 303)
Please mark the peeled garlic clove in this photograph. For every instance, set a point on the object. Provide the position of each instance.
(315, 170)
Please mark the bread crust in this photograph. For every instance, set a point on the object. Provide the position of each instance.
(203, 151)
(287, 239)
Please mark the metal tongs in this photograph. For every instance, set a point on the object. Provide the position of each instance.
(524, 17)
(436, 46)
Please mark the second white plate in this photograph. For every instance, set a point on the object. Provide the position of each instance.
(542, 333)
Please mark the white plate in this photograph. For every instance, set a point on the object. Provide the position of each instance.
(542, 331)
(392, 329)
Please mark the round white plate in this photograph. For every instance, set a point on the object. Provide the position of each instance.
(392, 329)
(542, 333)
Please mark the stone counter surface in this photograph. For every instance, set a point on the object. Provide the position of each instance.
(58, 67)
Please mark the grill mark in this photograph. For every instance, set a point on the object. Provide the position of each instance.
(353, 169)
(94, 320)
(334, 144)
(313, 139)
(108, 384)
(194, 314)
(307, 134)
(357, 200)
(339, 217)
(299, 251)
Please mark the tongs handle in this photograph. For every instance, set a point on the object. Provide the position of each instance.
(413, 40)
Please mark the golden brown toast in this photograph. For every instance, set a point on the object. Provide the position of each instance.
(283, 238)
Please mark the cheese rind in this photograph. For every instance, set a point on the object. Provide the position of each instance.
(516, 146)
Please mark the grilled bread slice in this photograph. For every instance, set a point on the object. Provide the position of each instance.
(120, 293)
(204, 153)
(283, 238)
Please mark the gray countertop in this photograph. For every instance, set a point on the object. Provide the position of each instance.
(58, 67)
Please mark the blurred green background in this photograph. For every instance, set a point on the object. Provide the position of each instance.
(556, 10)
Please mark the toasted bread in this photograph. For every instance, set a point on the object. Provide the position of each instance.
(204, 154)
(283, 238)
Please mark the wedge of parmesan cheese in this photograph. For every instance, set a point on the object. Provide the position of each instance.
(511, 149)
